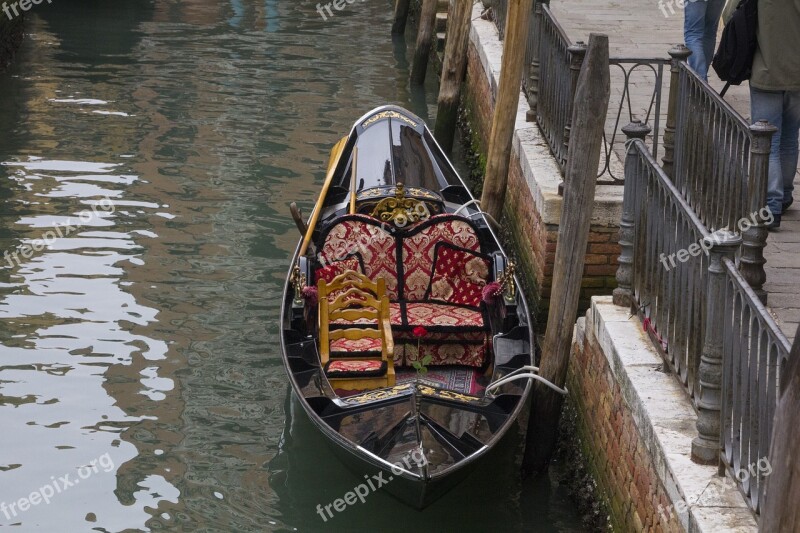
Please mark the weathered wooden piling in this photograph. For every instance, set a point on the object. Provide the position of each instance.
(588, 120)
(453, 70)
(505, 110)
(401, 8)
(427, 25)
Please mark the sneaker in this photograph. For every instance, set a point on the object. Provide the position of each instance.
(776, 223)
(785, 207)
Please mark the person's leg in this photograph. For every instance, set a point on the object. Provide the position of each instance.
(713, 14)
(694, 27)
(790, 135)
(767, 105)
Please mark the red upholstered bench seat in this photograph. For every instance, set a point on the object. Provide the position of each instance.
(434, 274)
(435, 316)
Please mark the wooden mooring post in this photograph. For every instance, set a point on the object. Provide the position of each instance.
(400, 16)
(427, 24)
(505, 109)
(453, 69)
(588, 120)
(780, 511)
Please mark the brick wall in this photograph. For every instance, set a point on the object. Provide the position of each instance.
(618, 457)
(534, 239)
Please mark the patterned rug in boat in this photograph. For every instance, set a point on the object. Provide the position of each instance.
(458, 379)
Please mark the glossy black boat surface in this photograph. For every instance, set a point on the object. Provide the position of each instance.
(425, 434)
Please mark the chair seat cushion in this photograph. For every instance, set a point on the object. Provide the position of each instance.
(355, 369)
(365, 346)
(443, 317)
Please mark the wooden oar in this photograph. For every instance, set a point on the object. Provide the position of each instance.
(336, 154)
(353, 182)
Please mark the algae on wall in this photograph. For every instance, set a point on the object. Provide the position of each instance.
(10, 38)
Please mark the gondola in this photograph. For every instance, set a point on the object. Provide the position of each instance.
(403, 330)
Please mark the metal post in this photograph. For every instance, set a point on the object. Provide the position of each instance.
(705, 447)
(623, 294)
(534, 67)
(752, 262)
(678, 53)
(576, 54)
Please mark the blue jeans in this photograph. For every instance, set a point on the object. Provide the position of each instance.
(782, 110)
(700, 24)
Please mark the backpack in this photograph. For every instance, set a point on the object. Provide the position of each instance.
(733, 61)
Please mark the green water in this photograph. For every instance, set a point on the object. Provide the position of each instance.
(148, 151)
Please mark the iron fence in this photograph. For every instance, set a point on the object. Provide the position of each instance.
(550, 78)
(500, 11)
(720, 165)
(755, 352)
(689, 268)
(637, 88)
(702, 315)
(666, 293)
(559, 66)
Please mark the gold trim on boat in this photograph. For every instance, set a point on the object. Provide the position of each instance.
(381, 394)
(401, 211)
(298, 281)
(387, 114)
(448, 394)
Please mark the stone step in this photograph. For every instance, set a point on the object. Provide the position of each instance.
(440, 37)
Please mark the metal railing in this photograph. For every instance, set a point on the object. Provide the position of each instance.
(647, 107)
(500, 10)
(559, 64)
(755, 352)
(553, 63)
(692, 235)
(719, 163)
(702, 315)
(669, 296)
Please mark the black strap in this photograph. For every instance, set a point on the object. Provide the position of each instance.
(725, 89)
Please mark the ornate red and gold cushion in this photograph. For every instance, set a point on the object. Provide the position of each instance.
(443, 317)
(459, 275)
(419, 248)
(355, 368)
(355, 347)
(364, 236)
(334, 268)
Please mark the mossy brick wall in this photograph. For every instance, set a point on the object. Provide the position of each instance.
(618, 457)
(535, 240)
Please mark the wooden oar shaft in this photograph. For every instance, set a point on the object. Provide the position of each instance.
(353, 181)
(332, 164)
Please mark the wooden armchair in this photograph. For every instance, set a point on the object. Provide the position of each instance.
(359, 354)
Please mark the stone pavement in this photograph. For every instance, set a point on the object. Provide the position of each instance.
(639, 28)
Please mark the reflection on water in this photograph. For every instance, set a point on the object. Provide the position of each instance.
(148, 150)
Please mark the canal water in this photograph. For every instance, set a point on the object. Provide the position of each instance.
(148, 151)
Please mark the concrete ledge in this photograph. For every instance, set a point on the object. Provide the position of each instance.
(665, 422)
(538, 165)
